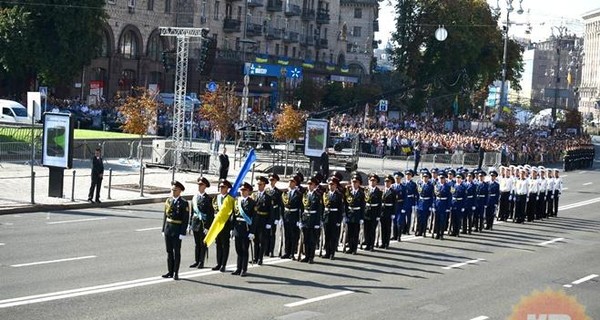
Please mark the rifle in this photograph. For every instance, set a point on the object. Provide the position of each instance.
(300, 245)
(361, 235)
(378, 232)
(281, 234)
(344, 235)
(322, 235)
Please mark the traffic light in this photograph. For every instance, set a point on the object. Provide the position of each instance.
(206, 56)
(202, 55)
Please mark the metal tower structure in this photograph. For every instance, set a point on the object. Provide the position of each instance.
(183, 36)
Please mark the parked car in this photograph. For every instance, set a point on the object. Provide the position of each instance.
(13, 112)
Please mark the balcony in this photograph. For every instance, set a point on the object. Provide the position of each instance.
(292, 10)
(308, 14)
(307, 41)
(274, 34)
(375, 25)
(254, 30)
(323, 16)
(291, 37)
(231, 25)
(274, 5)
(255, 3)
(322, 44)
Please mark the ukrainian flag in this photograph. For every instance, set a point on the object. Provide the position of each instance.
(330, 67)
(229, 201)
(284, 61)
(261, 58)
(345, 69)
(309, 64)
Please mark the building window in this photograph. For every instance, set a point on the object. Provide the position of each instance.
(294, 52)
(128, 45)
(277, 49)
(154, 47)
(105, 46)
(167, 6)
(216, 13)
(357, 13)
(150, 5)
(356, 31)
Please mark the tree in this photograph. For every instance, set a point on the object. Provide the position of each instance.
(467, 61)
(310, 94)
(60, 36)
(222, 109)
(289, 127)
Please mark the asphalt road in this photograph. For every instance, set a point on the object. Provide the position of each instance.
(106, 264)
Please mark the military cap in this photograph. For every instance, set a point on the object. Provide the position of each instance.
(442, 174)
(356, 177)
(481, 173)
(224, 183)
(300, 177)
(451, 172)
(398, 174)
(389, 178)
(493, 173)
(204, 181)
(334, 180)
(375, 177)
(246, 186)
(409, 171)
(435, 170)
(468, 174)
(178, 184)
(338, 175)
(556, 170)
(313, 180)
(426, 174)
(262, 179)
(460, 175)
(296, 179)
(274, 176)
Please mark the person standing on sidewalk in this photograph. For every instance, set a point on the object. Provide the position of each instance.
(97, 175)
(223, 164)
(201, 219)
(175, 223)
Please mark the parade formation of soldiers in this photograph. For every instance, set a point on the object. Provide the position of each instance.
(327, 217)
(579, 157)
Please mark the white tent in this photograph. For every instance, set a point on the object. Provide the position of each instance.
(544, 118)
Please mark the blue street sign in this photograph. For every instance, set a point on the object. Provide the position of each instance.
(211, 86)
(272, 70)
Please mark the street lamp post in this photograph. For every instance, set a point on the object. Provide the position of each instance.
(509, 9)
(562, 30)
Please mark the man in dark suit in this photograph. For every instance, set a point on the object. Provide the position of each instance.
(97, 174)
(325, 164)
(223, 165)
(292, 202)
(263, 221)
(243, 228)
(175, 222)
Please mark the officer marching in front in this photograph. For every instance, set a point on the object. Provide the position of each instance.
(372, 211)
(222, 240)
(292, 206)
(175, 223)
(276, 214)
(333, 208)
(388, 203)
(263, 221)
(243, 228)
(202, 217)
(355, 198)
(310, 221)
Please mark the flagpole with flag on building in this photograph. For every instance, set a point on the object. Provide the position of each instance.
(229, 202)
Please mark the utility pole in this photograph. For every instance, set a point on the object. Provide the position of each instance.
(561, 30)
(183, 36)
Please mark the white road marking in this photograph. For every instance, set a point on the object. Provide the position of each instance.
(311, 300)
(579, 204)
(51, 261)
(7, 303)
(78, 220)
(564, 175)
(457, 265)
(565, 188)
(567, 286)
(587, 183)
(480, 318)
(1, 244)
(148, 229)
(584, 279)
(551, 241)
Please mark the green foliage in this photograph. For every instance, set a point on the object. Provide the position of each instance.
(55, 39)
(467, 61)
(310, 94)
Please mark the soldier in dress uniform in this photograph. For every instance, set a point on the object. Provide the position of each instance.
(276, 213)
(506, 184)
(426, 194)
(411, 195)
(174, 228)
(355, 198)
(543, 186)
(398, 187)
(459, 194)
(202, 216)
(492, 200)
(333, 203)
(222, 240)
(442, 200)
(481, 200)
(388, 202)
(263, 222)
(372, 211)
(521, 191)
(310, 220)
(534, 187)
(470, 204)
(292, 206)
(549, 192)
(243, 228)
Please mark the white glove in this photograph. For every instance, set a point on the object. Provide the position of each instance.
(268, 226)
(280, 222)
(345, 220)
(362, 221)
(251, 236)
(337, 224)
(276, 221)
(163, 234)
(378, 219)
(231, 234)
(403, 211)
(462, 210)
(317, 227)
(473, 208)
(300, 225)
(181, 237)
(205, 231)
(393, 216)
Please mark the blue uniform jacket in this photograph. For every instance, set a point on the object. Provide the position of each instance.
(443, 197)
(426, 193)
(481, 194)
(494, 193)
(459, 195)
(410, 196)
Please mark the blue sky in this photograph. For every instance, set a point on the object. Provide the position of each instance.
(543, 14)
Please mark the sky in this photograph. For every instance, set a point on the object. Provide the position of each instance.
(541, 14)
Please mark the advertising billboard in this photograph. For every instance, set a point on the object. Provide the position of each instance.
(57, 140)
(316, 134)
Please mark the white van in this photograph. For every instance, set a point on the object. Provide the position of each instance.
(13, 112)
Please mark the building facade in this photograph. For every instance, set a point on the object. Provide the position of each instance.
(590, 87)
(321, 40)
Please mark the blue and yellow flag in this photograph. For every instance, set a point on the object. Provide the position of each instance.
(229, 201)
(345, 69)
(284, 61)
(261, 58)
(308, 64)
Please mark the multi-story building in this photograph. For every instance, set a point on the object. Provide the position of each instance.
(286, 40)
(589, 104)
